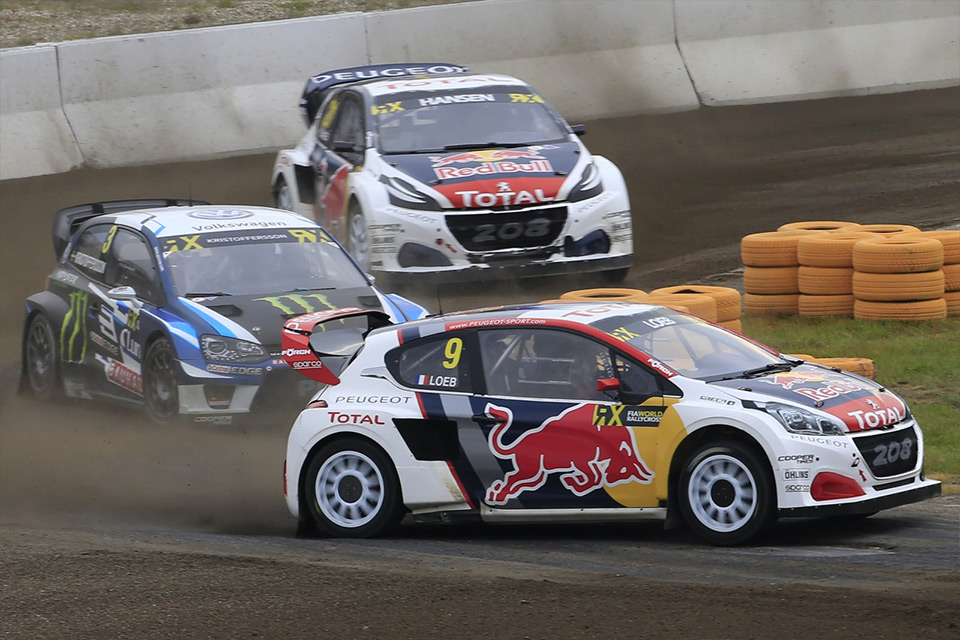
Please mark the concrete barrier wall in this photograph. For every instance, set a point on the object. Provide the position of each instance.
(203, 93)
(589, 59)
(35, 137)
(200, 93)
(741, 52)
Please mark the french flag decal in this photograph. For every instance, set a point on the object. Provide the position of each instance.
(421, 379)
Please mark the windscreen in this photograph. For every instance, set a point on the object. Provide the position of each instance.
(434, 121)
(267, 262)
(688, 345)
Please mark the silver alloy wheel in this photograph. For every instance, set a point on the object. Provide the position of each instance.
(284, 199)
(357, 241)
(41, 363)
(349, 489)
(722, 493)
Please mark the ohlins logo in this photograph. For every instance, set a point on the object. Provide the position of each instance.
(73, 331)
(297, 304)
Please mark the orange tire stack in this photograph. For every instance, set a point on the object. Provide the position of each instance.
(769, 271)
(727, 302)
(899, 277)
(950, 239)
(825, 274)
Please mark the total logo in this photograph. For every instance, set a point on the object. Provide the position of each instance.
(338, 417)
(505, 196)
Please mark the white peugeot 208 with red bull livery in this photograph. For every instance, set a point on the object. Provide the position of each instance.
(583, 411)
(431, 170)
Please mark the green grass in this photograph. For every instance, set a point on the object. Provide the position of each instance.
(918, 360)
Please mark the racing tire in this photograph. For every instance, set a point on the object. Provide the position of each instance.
(40, 358)
(952, 300)
(861, 366)
(894, 287)
(825, 281)
(282, 197)
(889, 229)
(825, 305)
(755, 304)
(949, 238)
(830, 249)
(905, 311)
(726, 494)
(819, 225)
(352, 490)
(898, 254)
(698, 304)
(729, 301)
(770, 280)
(770, 248)
(951, 277)
(614, 294)
(161, 397)
(358, 240)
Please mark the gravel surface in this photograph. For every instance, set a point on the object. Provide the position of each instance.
(28, 22)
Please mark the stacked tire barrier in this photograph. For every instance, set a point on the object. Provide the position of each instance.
(869, 271)
(899, 277)
(772, 266)
(716, 304)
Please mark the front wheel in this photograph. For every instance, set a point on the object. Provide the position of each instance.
(282, 197)
(352, 490)
(160, 394)
(358, 242)
(726, 495)
(40, 357)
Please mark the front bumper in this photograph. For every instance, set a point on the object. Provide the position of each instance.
(916, 491)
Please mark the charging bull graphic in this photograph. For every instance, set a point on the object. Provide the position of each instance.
(588, 456)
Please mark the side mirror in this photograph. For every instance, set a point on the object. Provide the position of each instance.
(608, 384)
(579, 129)
(122, 293)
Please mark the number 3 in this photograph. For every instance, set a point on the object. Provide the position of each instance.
(452, 351)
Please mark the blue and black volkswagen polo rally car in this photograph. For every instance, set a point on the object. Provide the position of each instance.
(179, 306)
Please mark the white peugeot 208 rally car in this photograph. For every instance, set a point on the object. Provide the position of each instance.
(584, 411)
(428, 168)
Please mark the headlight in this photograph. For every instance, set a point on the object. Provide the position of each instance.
(223, 349)
(403, 194)
(589, 186)
(798, 420)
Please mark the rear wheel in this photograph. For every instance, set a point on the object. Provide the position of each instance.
(358, 242)
(352, 490)
(160, 395)
(40, 358)
(726, 495)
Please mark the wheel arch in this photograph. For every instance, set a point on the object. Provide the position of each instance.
(48, 304)
(711, 433)
(303, 507)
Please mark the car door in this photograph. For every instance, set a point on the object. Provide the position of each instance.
(341, 139)
(131, 289)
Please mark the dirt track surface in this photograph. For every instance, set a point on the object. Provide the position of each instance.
(111, 527)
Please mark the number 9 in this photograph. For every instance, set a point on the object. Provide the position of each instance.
(452, 351)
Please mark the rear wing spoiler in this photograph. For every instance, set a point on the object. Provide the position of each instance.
(317, 87)
(340, 333)
(67, 221)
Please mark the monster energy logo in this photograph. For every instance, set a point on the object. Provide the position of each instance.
(287, 304)
(75, 324)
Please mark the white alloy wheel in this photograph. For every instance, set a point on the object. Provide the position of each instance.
(722, 493)
(349, 489)
(358, 242)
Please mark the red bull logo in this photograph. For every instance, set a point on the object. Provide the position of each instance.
(588, 456)
(789, 379)
(491, 161)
